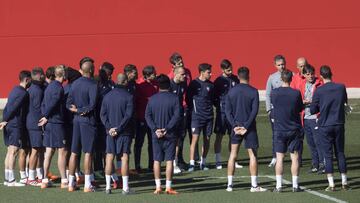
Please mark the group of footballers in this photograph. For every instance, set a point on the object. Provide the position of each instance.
(79, 114)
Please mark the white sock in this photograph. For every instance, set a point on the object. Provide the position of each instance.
(45, 180)
(254, 181)
(278, 181)
(87, 181)
(39, 173)
(6, 175)
(32, 174)
(158, 183)
(118, 164)
(192, 162)
(11, 175)
(64, 180)
(230, 180)
(114, 177)
(76, 174)
(67, 173)
(331, 181)
(71, 180)
(168, 184)
(174, 163)
(27, 171)
(218, 157)
(295, 181)
(344, 179)
(23, 174)
(202, 161)
(108, 182)
(125, 180)
(92, 177)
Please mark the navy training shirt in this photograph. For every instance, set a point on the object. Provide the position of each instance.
(53, 104)
(16, 108)
(200, 96)
(222, 85)
(36, 95)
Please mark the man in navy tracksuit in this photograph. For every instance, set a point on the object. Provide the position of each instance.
(116, 114)
(14, 125)
(162, 116)
(330, 100)
(241, 108)
(222, 85)
(82, 101)
(288, 133)
(53, 115)
(200, 96)
(178, 86)
(105, 85)
(36, 94)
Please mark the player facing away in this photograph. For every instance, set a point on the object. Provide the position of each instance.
(200, 96)
(116, 114)
(162, 115)
(241, 108)
(330, 101)
(273, 82)
(288, 133)
(14, 125)
(53, 111)
(36, 95)
(82, 102)
(222, 85)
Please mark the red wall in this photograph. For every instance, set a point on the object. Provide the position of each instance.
(45, 32)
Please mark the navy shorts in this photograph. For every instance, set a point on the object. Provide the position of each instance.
(15, 137)
(198, 125)
(180, 128)
(221, 124)
(36, 138)
(54, 135)
(118, 145)
(250, 137)
(68, 135)
(164, 149)
(100, 139)
(84, 135)
(290, 141)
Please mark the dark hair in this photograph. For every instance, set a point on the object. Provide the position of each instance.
(286, 76)
(86, 59)
(175, 57)
(163, 81)
(204, 67)
(148, 70)
(50, 73)
(225, 64)
(279, 57)
(107, 66)
(129, 68)
(244, 73)
(71, 74)
(24, 74)
(308, 69)
(37, 70)
(325, 72)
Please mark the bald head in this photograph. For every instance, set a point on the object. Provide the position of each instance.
(122, 79)
(301, 63)
(87, 68)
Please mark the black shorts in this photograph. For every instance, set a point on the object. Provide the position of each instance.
(84, 134)
(250, 137)
(290, 141)
(17, 137)
(221, 124)
(55, 135)
(118, 145)
(198, 125)
(164, 149)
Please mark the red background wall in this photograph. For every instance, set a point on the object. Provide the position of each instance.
(48, 32)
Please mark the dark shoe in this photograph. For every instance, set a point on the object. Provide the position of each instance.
(321, 169)
(108, 191)
(297, 189)
(278, 190)
(345, 187)
(313, 169)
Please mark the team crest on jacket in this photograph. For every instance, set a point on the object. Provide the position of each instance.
(233, 83)
(174, 91)
(208, 88)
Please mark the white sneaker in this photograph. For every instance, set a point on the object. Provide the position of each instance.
(218, 166)
(257, 189)
(272, 163)
(229, 188)
(23, 180)
(6, 183)
(177, 170)
(15, 184)
(237, 165)
(203, 167)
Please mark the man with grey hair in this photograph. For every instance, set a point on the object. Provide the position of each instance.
(273, 82)
(116, 113)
